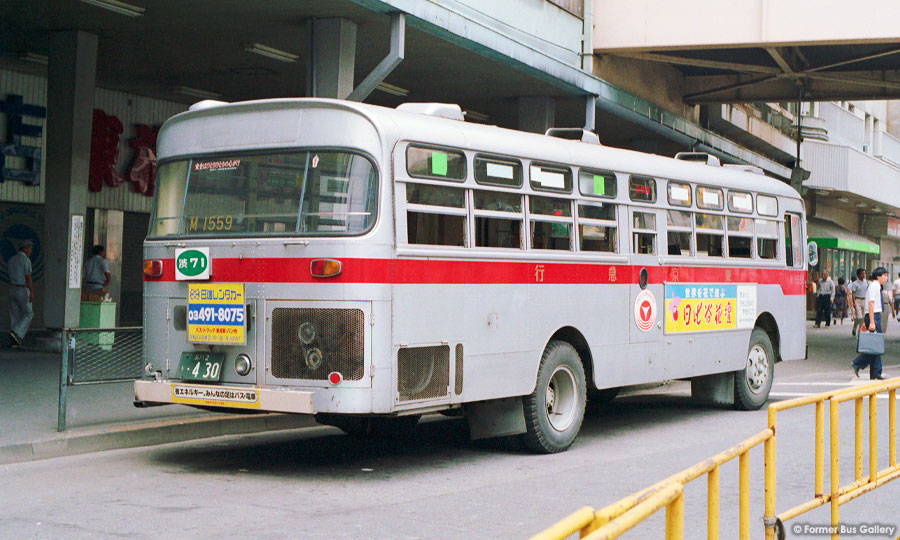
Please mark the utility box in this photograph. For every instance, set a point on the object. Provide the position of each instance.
(98, 315)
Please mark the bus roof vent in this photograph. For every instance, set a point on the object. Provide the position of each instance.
(699, 157)
(206, 104)
(444, 110)
(746, 168)
(574, 134)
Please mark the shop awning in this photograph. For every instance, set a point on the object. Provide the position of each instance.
(827, 234)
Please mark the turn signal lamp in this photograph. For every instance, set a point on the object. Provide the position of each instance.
(323, 268)
(153, 268)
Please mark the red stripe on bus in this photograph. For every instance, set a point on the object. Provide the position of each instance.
(415, 271)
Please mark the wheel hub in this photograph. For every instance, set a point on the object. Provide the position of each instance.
(757, 369)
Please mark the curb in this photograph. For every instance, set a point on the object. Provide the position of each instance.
(148, 434)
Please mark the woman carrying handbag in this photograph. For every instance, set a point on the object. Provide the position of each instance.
(871, 343)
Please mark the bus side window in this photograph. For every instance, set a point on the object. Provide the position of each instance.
(435, 215)
(710, 235)
(678, 231)
(767, 239)
(740, 237)
(644, 233)
(551, 223)
(597, 227)
(498, 219)
(793, 251)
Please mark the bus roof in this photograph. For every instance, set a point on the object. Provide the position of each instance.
(397, 125)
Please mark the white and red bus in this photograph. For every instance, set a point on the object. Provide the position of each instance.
(369, 265)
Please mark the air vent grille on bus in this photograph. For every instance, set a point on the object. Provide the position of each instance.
(310, 343)
(458, 382)
(423, 372)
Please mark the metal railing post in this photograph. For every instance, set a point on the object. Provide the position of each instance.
(857, 439)
(892, 429)
(873, 439)
(675, 518)
(819, 489)
(63, 380)
(835, 467)
(744, 496)
(769, 475)
(712, 504)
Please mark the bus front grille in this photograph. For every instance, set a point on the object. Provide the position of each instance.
(423, 372)
(311, 343)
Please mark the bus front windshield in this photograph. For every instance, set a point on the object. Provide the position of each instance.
(302, 193)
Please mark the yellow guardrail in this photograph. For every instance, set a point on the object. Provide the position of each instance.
(613, 520)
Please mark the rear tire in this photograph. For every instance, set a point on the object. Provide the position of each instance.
(555, 410)
(753, 383)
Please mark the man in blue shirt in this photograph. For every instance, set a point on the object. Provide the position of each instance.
(21, 292)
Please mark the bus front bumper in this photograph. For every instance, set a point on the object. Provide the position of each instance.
(233, 397)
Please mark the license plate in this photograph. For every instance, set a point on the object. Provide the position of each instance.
(201, 366)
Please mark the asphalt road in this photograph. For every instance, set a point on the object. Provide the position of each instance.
(320, 484)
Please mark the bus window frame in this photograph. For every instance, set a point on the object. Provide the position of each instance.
(190, 158)
(598, 172)
(447, 149)
(719, 233)
(701, 205)
(548, 218)
(681, 229)
(609, 224)
(520, 216)
(774, 198)
(508, 160)
(566, 170)
(435, 210)
(655, 184)
(734, 209)
(681, 204)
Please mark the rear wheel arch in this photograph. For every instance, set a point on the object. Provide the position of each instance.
(767, 323)
(576, 339)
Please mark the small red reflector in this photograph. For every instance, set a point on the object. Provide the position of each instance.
(153, 268)
(335, 378)
(323, 268)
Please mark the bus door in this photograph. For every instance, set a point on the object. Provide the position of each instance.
(646, 298)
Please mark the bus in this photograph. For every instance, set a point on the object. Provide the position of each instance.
(369, 265)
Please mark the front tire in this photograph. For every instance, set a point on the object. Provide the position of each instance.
(555, 410)
(753, 383)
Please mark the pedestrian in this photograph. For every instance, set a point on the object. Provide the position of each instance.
(874, 308)
(889, 312)
(840, 300)
(897, 296)
(21, 292)
(858, 298)
(824, 300)
(96, 276)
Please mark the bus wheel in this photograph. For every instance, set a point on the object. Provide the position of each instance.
(371, 427)
(554, 411)
(753, 383)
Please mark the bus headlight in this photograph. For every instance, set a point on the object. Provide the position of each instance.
(242, 365)
(314, 358)
(306, 333)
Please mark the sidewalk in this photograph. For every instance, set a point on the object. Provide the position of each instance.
(99, 416)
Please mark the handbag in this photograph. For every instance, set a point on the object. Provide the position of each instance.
(870, 343)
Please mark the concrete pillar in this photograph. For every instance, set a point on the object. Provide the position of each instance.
(71, 74)
(332, 55)
(536, 114)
